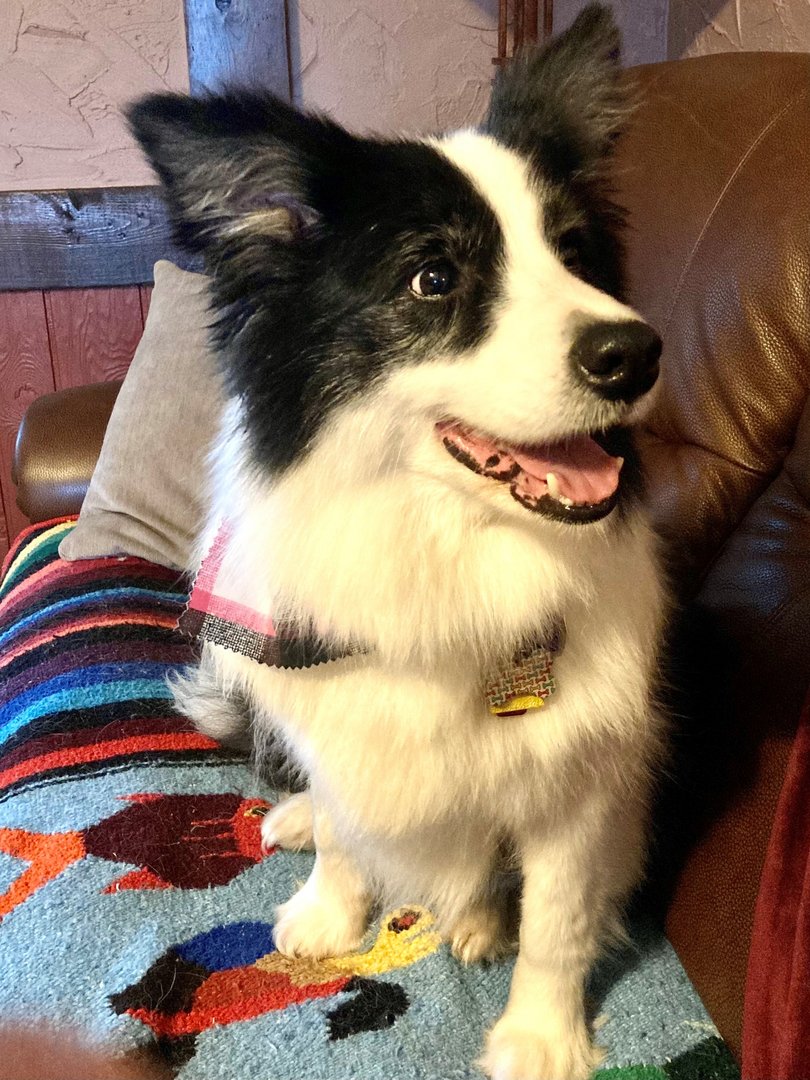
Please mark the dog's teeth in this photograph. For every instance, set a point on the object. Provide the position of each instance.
(553, 485)
(620, 461)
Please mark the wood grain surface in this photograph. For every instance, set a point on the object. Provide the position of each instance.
(93, 333)
(146, 298)
(237, 41)
(92, 237)
(25, 373)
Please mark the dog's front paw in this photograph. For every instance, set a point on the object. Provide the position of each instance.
(515, 1051)
(478, 935)
(306, 926)
(289, 825)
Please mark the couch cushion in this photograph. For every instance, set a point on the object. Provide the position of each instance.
(84, 651)
(713, 172)
(146, 496)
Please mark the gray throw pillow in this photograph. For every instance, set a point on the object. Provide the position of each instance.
(147, 493)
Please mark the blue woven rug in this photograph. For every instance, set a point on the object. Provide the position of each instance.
(134, 900)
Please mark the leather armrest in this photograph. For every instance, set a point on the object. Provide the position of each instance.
(58, 443)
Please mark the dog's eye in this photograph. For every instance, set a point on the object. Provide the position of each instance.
(434, 281)
(569, 248)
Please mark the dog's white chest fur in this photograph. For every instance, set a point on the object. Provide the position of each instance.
(400, 738)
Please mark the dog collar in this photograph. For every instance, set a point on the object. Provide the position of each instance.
(219, 612)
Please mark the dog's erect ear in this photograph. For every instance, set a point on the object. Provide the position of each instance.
(231, 165)
(563, 104)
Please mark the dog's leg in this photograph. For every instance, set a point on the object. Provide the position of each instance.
(329, 913)
(573, 881)
(234, 721)
(470, 912)
(289, 825)
(479, 933)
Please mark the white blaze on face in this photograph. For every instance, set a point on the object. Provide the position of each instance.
(516, 383)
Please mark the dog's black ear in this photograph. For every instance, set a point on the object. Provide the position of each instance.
(564, 104)
(232, 165)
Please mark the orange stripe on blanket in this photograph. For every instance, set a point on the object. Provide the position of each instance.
(103, 751)
(62, 569)
(19, 546)
(48, 570)
(47, 856)
(168, 621)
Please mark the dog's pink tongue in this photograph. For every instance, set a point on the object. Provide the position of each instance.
(585, 473)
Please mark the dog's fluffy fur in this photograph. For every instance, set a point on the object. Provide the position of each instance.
(348, 510)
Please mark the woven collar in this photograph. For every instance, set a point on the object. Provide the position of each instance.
(218, 612)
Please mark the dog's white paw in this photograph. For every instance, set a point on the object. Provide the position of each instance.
(477, 935)
(306, 926)
(515, 1051)
(289, 825)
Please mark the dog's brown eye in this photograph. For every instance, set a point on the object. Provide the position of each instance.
(569, 247)
(434, 281)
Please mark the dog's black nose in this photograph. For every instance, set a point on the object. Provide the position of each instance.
(617, 360)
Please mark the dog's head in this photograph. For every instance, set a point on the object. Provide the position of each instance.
(462, 293)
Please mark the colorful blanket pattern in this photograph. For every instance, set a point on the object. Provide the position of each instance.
(135, 901)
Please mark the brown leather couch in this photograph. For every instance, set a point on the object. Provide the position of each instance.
(715, 172)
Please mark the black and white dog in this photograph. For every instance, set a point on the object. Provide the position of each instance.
(431, 374)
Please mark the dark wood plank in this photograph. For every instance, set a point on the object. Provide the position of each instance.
(238, 41)
(25, 374)
(93, 332)
(83, 238)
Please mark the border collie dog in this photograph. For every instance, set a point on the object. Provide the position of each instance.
(426, 463)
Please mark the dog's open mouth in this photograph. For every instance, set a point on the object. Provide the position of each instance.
(573, 480)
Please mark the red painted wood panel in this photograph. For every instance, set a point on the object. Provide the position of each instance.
(146, 299)
(25, 373)
(4, 531)
(93, 333)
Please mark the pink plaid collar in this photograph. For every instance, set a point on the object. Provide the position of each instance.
(219, 613)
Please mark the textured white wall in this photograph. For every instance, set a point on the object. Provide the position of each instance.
(643, 24)
(394, 65)
(419, 65)
(381, 65)
(698, 27)
(65, 68)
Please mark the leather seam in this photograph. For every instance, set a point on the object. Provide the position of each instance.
(747, 469)
(771, 478)
(774, 120)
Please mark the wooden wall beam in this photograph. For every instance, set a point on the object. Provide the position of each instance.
(80, 239)
(238, 41)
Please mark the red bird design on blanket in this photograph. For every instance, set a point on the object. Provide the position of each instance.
(234, 973)
(173, 841)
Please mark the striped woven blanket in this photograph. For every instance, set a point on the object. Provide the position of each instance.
(135, 901)
(84, 652)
